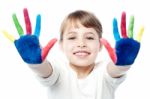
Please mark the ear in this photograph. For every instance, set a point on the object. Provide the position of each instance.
(61, 46)
(100, 45)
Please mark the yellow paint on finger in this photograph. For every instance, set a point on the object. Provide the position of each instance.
(140, 34)
(7, 35)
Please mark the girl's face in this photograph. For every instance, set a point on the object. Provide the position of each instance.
(81, 45)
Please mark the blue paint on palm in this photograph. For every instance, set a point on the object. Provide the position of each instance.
(29, 49)
(126, 51)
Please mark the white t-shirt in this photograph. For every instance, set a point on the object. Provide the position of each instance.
(64, 84)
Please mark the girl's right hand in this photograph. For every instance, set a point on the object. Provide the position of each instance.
(28, 45)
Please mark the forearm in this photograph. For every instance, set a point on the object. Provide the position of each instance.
(44, 69)
(116, 71)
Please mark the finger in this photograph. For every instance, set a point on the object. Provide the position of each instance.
(47, 48)
(17, 25)
(115, 30)
(38, 26)
(140, 34)
(131, 26)
(27, 21)
(123, 25)
(109, 49)
(10, 37)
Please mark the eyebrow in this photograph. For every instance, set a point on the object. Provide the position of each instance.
(86, 33)
(90, 33)
(71, 32)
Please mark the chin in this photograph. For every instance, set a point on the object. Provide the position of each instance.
(82, 64)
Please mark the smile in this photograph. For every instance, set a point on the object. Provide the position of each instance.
(81, 53)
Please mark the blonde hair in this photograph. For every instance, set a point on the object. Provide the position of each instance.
(87, 19)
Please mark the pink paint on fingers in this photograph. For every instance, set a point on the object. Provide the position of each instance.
(110, 50)
(47, 48)
(27, 21)
(123, 25)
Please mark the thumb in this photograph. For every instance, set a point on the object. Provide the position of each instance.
(47, 48)
(110, 50)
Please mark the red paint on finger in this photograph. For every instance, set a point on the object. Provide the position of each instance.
(123, 25)
(27, 21)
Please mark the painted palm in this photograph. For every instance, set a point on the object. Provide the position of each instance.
(28, 44)
(126, 47)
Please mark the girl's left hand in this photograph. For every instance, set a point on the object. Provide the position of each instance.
(126, 47)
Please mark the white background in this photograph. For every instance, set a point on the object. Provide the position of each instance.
(17, 81)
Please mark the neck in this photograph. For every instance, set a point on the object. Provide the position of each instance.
(82, 72)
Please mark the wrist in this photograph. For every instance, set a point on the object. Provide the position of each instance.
(44, 69)
(117, 70)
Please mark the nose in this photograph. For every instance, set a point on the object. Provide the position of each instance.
(81, 43)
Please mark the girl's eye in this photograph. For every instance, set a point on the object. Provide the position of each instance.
(90, 38)
(71, 38)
